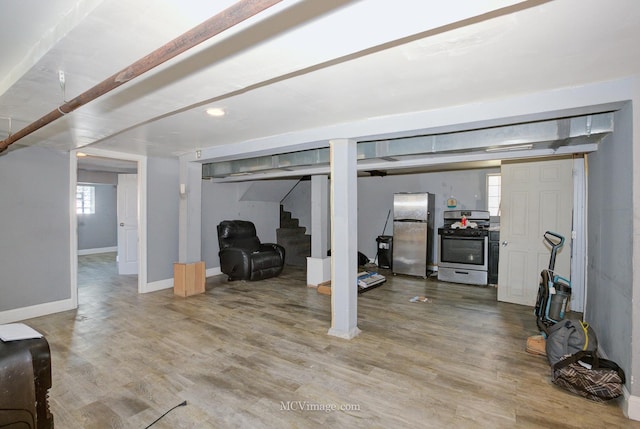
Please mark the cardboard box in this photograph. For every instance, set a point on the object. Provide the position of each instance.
(188, 279)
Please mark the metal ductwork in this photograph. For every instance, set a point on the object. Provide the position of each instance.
(550, 134)
(558, 132)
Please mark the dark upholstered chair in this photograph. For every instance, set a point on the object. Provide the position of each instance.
(243, 257)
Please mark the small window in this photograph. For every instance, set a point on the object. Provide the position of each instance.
(493, 194)
(85, 199)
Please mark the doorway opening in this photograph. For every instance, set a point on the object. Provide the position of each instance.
(132, 243)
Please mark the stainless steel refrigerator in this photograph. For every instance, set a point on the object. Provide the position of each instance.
(413, 233)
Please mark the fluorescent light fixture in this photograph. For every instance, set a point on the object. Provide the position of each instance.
(509, 148)
(80, 154)
(216, 112)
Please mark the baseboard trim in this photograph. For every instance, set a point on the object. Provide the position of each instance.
(97, 250)
(168, 283)
(631, 406)
(215, 271)
(347, 335)
(156, 286)
(18, 314)
(23, 313)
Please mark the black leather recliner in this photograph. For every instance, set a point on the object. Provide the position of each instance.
(243, 257)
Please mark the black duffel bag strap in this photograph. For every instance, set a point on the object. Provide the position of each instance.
(573, 359)
(593, 359)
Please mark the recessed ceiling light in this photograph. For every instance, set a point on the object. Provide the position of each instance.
(215, 112)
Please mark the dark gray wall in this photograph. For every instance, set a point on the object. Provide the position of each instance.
(221, 201)
(610, 247)
(103, 177)
(99, 230)
(34, 232)
(162, 217)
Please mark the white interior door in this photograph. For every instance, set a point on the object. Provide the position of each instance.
(537, 196)
(127, 195)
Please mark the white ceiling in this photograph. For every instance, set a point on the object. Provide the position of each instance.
(299, 65)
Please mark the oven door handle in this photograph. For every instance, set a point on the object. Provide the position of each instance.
(462, 237)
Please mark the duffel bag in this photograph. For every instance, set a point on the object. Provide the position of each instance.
(587, 375)
(567, 337)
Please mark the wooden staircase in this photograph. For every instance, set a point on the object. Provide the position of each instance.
(294, 239)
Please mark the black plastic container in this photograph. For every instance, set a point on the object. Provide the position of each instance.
(385, 251)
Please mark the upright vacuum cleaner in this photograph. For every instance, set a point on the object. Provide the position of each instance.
(554, 291)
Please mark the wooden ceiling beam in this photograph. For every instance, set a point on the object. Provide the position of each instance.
(233, 15)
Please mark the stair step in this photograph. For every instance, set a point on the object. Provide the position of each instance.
(292, 223)
(303, 249)
(296, 254)
(297, 262)
(287, 220)
(296, 243)
(293, 248)
(289, 223)
(291, 232)
(294, 239)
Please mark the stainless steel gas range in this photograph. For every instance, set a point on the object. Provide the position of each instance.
(463, 250)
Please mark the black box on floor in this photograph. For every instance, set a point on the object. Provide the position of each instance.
(25, 378)
(385, 251)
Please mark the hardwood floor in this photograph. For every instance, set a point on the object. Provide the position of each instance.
(255, 355)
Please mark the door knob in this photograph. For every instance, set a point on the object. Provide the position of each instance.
(504, 243)
(121, 223)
